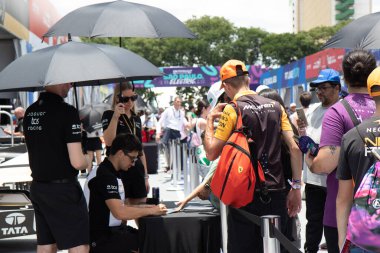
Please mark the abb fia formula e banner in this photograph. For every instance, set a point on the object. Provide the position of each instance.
(328, 58)
(195, 76)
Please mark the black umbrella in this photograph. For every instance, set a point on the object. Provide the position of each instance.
(363, 33)
(75, 62)
(120, 19)
(91, 116)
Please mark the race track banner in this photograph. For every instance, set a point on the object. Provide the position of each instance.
(293, 74)
(328, 58)
(272, 78)
(195, 76)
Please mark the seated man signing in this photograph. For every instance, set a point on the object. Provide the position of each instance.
(108, 213)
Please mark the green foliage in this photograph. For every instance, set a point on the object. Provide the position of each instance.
(218, 40)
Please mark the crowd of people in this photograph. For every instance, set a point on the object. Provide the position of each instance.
(116, 190)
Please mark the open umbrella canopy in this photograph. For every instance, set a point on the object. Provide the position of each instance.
(75, 62)
(91, 116)
(363, 33)
(120, 19)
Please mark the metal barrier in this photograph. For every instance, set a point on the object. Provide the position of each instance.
(25, 185)
(272, 236)
(194, 174)
(186, 168)
(223, 223)
(175, 164)
(270, 243)
(11, 121)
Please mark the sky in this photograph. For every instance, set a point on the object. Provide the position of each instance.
(242, 13)
(270, 15)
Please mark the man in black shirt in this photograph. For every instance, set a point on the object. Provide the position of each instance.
(108, 212)
(53, 138)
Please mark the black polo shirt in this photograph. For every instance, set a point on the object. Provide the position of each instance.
(105, 185)
(122, 126)
(49, 124)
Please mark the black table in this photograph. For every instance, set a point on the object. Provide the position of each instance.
(183, 232)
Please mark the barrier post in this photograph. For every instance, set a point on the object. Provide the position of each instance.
(223, 223)
(176, 163)
(185, 169)
(194, 174)
(270, 243)
(179, 161)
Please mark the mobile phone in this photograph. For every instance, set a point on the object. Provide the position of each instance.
(305, 143)
(301, 115)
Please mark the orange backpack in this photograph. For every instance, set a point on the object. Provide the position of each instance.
(235, 176)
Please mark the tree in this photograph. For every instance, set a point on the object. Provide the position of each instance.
(218, 40)
(281, 49)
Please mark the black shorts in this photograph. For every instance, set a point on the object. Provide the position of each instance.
(123, 239)
(61, 214)
(93, 144)
(134, 181)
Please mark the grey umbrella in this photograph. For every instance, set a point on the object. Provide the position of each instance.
(363, 33)
(75, 62)
(120, 19)
(91, 116)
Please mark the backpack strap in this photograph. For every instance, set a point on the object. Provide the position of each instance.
(239, 123)
(351, 112)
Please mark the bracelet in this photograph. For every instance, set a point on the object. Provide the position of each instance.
(146, 176)
(295, 185)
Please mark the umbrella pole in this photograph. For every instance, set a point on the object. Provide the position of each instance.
(119, 41)
(76, 96)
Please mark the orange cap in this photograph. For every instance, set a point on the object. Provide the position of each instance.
(232, 68)
(372, 81)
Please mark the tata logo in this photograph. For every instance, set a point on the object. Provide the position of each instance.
(376, 203)
(15, 219)
(240, 169)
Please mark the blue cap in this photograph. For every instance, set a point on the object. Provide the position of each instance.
(326, 75)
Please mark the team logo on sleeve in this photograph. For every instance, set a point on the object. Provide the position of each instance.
(112, 188)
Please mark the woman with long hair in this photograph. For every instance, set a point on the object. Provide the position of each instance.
(123, 119)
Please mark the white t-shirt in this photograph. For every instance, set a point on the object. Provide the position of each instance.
(314, 116)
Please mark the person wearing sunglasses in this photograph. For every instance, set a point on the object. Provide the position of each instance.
(105, 198)
(123, 119)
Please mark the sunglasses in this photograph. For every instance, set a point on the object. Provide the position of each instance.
(133, 158)
(126, 99)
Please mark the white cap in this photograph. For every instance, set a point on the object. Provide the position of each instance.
(214, 93)
(292, 105)
(261, 87)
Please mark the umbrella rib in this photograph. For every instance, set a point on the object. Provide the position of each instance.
(50, 66)
(112, 62)
(365, 39)
(95, 23)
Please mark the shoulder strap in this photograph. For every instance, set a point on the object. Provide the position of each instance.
(351, 112)
(239, 123)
